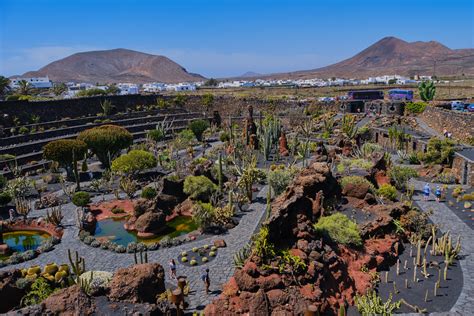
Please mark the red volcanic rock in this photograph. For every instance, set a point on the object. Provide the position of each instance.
(381, 178)
(230, 288)
(251, 269)
(272, 281)
(298, 253)
(10, 294)
(66, 301)
(277, 297)
(311, 292)
(220, 243)
(356, 190)
(140, 283)
(382, 218)
(151, 222)
(283, 145)
(185, 208)
(104, 209)
(245, 282)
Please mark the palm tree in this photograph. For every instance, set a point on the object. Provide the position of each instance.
(59, 89)
(4, 85)
(23, 87)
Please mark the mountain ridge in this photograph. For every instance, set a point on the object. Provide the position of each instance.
(115, 65)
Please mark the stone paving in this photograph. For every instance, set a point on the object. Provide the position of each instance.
(221, 269)
(448, 221)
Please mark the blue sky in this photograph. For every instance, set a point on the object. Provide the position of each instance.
(226, 37)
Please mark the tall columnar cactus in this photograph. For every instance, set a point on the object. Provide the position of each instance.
(78, 265)
(75, 170)
(143, 258)
(427, 90)
(219, 174)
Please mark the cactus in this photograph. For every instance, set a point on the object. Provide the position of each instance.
(78, 264)
(425, 273)
(76, 171)
(414, 273)
(435, 291)
(85, 284)
(418, 253)
(398, 266)
(445, 274)
(143, 258)
(342, 311)
(426, 296)
(406, 283)
(23, 207)
(219, 174)
(427, 90)
(242, 255)
(55, 217)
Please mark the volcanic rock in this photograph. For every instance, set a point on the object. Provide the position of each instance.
(10, 294)
(138, 284)
(356, 190)
(66, 302)
(151, 222)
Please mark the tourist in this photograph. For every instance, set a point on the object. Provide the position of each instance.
(206, 280)
(438, 193)
(172, 265)
(445, 132)
(426, 192)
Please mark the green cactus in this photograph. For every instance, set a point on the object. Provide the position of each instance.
(427, 90)
(77, 265)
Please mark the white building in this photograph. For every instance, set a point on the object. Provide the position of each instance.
(181, 87)
(154, 87)
(35, 82)
(127, 88)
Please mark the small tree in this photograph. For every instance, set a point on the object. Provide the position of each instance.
(198, 127)
(4, 85)
(106, 141)
(24, 87)
(199, 187)
(65, 152)
(427, 90)
(107, 107)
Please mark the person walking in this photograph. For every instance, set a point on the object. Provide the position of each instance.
(438, 193)
(426, 192)
(205, 279)
(172, 265)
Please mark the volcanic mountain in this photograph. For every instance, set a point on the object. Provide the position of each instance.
(391, 56)
(116, 65)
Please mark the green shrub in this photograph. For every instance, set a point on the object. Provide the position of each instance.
(185, 138)
(81, 198)
(224, 137)
(203, 214)
(356, 180)
(198, 127)
(106, 141)
(401, 174)
(148, 193)
(446, 178)
(6, 157)
(5, 198)
(339, 228)
(387, 191)
(415, 107)
(134, 161)
(63, 150)
(438, 151)
(280, 178)
(156, 135)
(23, 130)
(199, 187)
(39, 291)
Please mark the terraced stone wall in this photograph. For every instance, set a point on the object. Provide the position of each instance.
(460, 124)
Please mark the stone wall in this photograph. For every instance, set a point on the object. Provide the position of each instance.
(459, 166)
(83, 107)
(460, 124)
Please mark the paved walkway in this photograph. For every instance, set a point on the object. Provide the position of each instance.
(448, 221)
(221, 269)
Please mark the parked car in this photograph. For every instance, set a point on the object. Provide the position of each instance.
(457, 106)
(470, 107)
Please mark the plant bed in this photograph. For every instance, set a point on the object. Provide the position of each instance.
(198, 256)
(447, 293)
(461, 205)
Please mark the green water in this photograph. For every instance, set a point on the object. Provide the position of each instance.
(114, 231)
(23, 240)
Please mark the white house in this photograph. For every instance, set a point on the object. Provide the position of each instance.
(35, 82)
(127, 88)
(181, 87)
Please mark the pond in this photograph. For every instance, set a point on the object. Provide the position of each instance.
(23, 240)
(113, 230)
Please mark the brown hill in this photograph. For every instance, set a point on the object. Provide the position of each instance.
(116, 65)
(391, 55)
